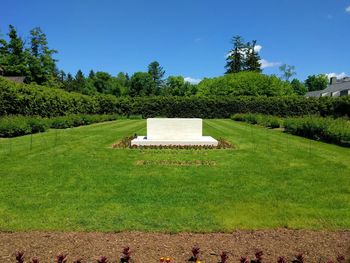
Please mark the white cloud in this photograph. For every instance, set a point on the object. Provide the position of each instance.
(268, 64)
(347, 9)
(338, 76)
(192, 80)
(257, 48)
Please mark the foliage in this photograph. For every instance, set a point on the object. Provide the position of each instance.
(157, 72)
(330, 130)
(287, 71)
(195, 254)
(263, 120)
(142, 84)
(126, 255)
(22, 99)
(316, 82)
(176, 86)
(298, 87)
(336, 131)
(299, 258)
(242, 57)
(34, 61)
(13, 126)
(244, 83)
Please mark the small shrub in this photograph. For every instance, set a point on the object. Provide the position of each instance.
(19, 256)
(195, 254)
(223, 257)
(61, 258)
(299, 258)
(102, 259)
(126, 255)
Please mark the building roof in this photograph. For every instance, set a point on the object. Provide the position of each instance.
(19, 79)
(339, 86)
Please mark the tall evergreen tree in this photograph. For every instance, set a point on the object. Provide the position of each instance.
(15, 62)
(252, 58)
(42, 65)
(235, 60)
(157, 72)
(79, 82)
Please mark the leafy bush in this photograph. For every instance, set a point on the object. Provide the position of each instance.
(12, 126)
(330, 130)
(35, 100)
(263, 120)
(246, 84)
(326, 129)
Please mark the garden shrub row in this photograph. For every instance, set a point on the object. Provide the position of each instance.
(195, 257)
(336, 131)
(35, 100)
(12, 126)
(269, 121)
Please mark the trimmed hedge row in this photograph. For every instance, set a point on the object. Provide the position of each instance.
(263, 120)
(34, 100)
(336, 131)
(12, 126)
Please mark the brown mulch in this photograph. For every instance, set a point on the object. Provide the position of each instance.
(317, 246)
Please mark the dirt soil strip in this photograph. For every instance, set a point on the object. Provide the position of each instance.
(318, 246)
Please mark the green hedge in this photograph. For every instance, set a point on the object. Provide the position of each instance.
(260, 119)
(330, 130)
(12, 126)
(336, 131)
(23, 99)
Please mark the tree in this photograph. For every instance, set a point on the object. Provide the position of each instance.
(157, 73)
(142, 84)
(68, 83)
(298, 87)
(244, 84)
(287, 71)
(316, 82)
(42, 65)
(124, 82)
(175, 86)
(235, 60)
(79, 83)
(14, 55)
(252, 58)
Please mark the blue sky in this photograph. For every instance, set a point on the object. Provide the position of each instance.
(188, 37)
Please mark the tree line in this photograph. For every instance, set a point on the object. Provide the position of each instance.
(35, 61)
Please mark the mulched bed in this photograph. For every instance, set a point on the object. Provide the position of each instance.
(317, 246)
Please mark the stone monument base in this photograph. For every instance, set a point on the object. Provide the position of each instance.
(200, 141)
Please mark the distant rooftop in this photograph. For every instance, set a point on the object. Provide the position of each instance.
(336, 88)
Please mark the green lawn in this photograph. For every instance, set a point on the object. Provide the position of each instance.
(73, 180)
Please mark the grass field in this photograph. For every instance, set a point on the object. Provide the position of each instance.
(73, 180)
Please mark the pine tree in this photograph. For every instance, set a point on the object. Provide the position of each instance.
(16, 61)
(252, 62)
(157, 72)
(236, 57)
(42, 65)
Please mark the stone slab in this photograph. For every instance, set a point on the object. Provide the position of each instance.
(202, 141)
(174, 131)
(174, 128)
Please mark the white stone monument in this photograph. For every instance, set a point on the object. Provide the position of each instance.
(174, 131)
